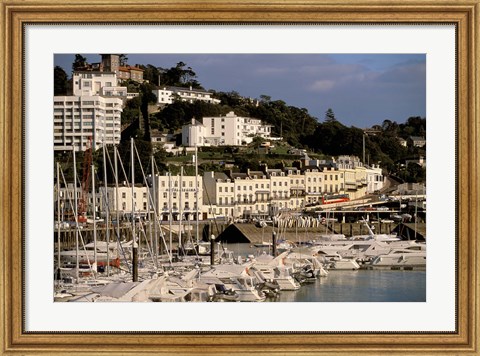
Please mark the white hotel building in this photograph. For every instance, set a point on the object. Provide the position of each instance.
(167, 95)
(77, 119)
(176, 196)
(93, 112)
(228, 130)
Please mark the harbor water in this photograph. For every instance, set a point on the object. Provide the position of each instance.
(362, 286)
(378, 285)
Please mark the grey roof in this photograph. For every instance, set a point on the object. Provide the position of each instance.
(220, 175)
(239, 175)
(256, 174)
(417, 138)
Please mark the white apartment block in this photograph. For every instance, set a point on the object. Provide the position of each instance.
(116, 199)
(97, 83)
(247, 190)
(219, 195)
(280, 192)
(120, 199)
(375, 178)
(355, 176)
(194, 134)
(228, 130)
(176, 196)
(79, 119)
(167, 95)
(297, 187)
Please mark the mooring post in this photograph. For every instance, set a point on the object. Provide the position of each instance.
(135, 261)
(212, 250)
(274, 244)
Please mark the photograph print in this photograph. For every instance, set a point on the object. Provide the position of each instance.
(239, 177)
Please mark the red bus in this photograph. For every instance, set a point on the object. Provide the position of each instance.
(337, 198)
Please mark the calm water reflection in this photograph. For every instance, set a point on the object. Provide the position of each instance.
(362, 286)
(353, 286)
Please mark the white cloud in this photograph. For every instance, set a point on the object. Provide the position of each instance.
(322, 85)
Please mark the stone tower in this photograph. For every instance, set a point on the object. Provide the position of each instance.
(110, 62)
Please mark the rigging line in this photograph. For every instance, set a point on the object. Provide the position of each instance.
(76, 225)
(107, 206)
(153, 205)
(158, 223)
(211, 209)
(151, 199)
(123, 168)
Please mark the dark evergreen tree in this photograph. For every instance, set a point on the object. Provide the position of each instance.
(330, 115)
(79, 63)
(60, 81)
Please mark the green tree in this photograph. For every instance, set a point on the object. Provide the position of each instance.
(79, 63)
(152, 74)
(330, 115)
(180, 75)
(60, 81)
(131, 111)
(123, 59)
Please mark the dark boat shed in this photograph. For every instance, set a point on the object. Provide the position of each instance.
(410, 231)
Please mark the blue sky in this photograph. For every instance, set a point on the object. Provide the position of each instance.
(362, 89)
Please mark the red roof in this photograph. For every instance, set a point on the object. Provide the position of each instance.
(128, 69)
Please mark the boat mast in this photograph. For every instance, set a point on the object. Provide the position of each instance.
(170, 208)
(58, 218)
(196, 194)
(180, 210)
(134, 239)
(153, 202)
(107, 215)
(75, 207)
(117, 209)
(94, 220)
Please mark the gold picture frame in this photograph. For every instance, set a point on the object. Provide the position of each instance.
(15, 14)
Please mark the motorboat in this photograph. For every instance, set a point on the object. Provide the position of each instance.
(337, 262)
(236, 278)
(401, 258)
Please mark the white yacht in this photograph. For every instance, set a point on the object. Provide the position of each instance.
(401, 258)
(235, 278)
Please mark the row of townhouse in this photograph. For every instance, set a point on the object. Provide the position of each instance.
(239, 195)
